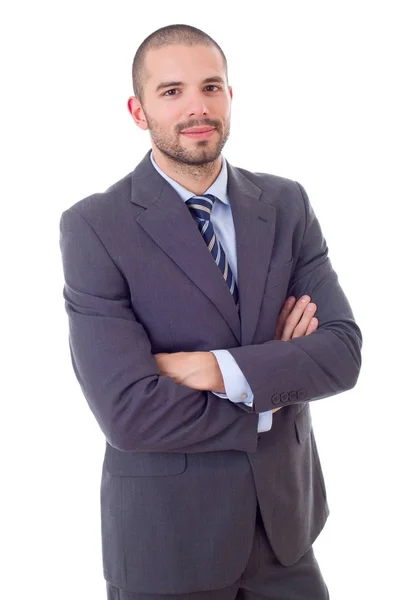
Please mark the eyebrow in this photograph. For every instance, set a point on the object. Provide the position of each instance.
(165, 84)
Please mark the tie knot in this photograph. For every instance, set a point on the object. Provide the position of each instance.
(201, 206)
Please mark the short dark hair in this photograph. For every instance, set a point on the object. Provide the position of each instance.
(171, 34)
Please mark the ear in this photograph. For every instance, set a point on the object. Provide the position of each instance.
(230, 91)
(136, 111)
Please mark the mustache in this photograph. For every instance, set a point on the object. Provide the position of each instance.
(195, 123)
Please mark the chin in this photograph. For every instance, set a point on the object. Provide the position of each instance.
(203, 161)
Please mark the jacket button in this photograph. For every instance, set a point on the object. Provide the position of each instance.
(284, 397)
(301, 394)
(276, 399)
(292, 396)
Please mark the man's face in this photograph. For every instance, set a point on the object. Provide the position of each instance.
(187, 88)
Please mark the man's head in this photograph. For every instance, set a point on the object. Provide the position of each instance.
(180, 82)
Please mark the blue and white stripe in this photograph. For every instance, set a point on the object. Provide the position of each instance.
(200, 208)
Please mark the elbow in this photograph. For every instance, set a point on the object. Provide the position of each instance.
(117, 437)
(353, 377)
(122, 444)
(126, 424)
(124, 436)
(118, 429)
(355, 342)
(351, 361)
(356, 369)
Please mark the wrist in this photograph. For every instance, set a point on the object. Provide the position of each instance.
(216, 379)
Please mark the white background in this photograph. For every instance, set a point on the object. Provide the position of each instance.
(316, 100)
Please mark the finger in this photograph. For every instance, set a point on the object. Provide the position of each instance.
(286, 309)
(294, 318)
(313, 326)
(283, 315)
(305, 320)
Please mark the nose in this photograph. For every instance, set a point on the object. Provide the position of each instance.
(196, 106)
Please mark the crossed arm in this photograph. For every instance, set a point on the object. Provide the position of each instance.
(200, 370)
(140, 409)
(308, 367)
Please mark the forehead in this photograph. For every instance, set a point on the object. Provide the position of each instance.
(179, 62)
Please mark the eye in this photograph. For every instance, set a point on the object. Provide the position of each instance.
(213, 86)
(167, 93)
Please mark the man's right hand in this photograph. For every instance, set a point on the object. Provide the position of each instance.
(295, 320)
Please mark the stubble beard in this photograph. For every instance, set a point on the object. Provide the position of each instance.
(197, 163)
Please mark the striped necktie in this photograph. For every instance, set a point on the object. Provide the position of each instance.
(200, 208)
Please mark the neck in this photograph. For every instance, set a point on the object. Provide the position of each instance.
(195, 178)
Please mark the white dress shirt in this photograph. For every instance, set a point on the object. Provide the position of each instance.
(236, 385)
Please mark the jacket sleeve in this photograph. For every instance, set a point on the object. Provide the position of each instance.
(322, 364)
(136, 407)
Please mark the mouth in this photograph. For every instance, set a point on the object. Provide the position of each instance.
(199, 133)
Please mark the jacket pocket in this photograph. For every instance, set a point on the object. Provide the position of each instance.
(303, 424)
(143, 464)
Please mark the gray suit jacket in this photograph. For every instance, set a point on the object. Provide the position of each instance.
(183, 469)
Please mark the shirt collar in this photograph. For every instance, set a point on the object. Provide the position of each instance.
(218, 188)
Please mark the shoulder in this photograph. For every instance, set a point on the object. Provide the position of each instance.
(285, 194)
(268, 181)
(100, 206)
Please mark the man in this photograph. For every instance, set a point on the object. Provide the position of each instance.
(188, 287)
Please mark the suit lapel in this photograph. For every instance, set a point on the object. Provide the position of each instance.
(254, 222)
(169, 223)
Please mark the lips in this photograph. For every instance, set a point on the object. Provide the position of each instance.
(198, 130)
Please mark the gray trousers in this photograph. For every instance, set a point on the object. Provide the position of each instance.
(264, 578)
